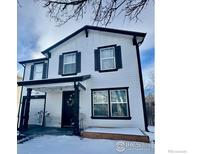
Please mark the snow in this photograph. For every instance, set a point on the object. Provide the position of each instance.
(151, 129)
(127, 131)
(151, 133)
(48, 144)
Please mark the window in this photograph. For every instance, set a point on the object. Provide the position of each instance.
(69, 63)
(100, 103)
(118, 99)
(110, 103)
(38, 71)
(107, 58)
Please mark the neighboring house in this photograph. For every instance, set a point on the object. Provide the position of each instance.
(92, 78)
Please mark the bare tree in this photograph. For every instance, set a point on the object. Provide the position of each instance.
(151, 82)
(18, 3)
(103, 11)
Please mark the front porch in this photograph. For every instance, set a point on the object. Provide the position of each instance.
(54, 90)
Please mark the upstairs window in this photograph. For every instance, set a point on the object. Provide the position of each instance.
(38, 71)
(69, 63)
(107, 58)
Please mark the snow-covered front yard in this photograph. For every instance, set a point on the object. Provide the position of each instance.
(48, 144)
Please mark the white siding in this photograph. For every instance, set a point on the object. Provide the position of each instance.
(36, 105)
(128, 76)
(54, 107)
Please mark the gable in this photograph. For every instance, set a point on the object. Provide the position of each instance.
(86, 29)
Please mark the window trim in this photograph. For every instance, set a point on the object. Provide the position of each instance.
(113, 58)
(34, 66)
(101, 103)
(109, 104)
(108, 70)
(71, 52)
(118, 102)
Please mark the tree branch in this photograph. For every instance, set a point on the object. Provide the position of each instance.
(104, 11)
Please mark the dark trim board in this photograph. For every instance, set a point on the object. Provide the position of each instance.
(64, 53)
(36, 97)
(20, 103)
(109, 116)
(141, 86)
(87, 27)
(33, 60)
(107, 46)
(44, 111)
(112, 118)
(56, 80)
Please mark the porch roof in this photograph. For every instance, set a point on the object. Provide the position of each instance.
(55, 80)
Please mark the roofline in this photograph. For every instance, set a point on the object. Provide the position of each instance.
(111, 30)
(32, 60)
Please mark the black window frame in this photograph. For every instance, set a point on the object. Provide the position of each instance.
(109, 104)
(67, 53)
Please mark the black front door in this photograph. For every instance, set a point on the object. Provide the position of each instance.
(67, 109)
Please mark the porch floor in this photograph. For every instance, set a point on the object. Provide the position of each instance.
(39, 130)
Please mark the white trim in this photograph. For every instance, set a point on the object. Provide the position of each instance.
(68, 63)
(35, 72)
(101, 59)
(119, 102)
(100, 103)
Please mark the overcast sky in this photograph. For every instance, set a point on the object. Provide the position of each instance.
(36, 32)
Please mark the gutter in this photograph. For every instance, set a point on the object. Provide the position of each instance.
(141, 80)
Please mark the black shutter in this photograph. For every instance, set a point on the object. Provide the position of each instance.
(97, 59)
(45, 70)
(78, 62)
(118, 57)
(31, 72)
(60, 67)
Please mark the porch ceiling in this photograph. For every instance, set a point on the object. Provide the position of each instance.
(53, 89)
(58, 87)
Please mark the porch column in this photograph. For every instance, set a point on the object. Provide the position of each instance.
(26, 110)
(76, 130)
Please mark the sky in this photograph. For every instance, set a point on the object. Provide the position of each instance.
(36, 32)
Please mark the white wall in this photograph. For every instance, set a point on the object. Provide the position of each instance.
(36, 105)
(128, 76)
(54, 107)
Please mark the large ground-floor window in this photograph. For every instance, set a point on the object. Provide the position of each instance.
(110, 103)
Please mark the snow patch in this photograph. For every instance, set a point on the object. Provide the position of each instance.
(48, 144)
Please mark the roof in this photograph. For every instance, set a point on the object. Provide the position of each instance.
(87, 27)
(33, 60)
(56, 80)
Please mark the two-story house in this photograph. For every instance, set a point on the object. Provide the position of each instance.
(92, 78)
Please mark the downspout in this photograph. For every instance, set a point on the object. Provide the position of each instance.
(141, 81)
(20, 103)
